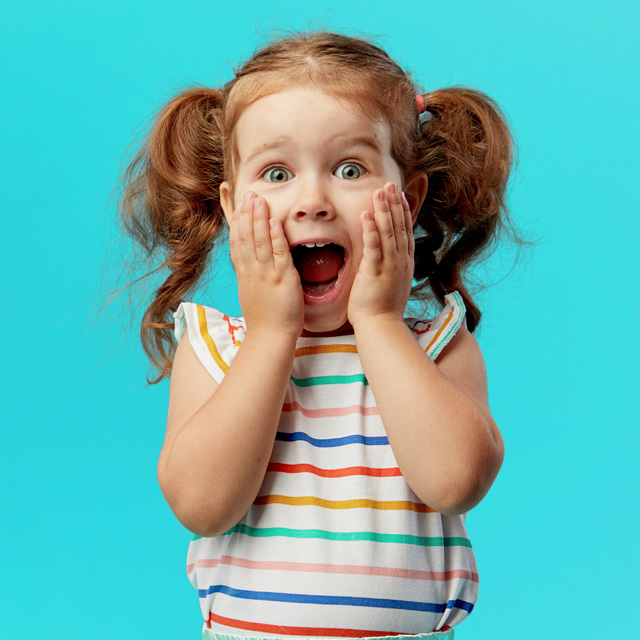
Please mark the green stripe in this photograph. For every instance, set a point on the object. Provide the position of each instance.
(421, 541)
(316, 380)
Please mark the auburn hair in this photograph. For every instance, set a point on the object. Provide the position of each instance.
(171, 203)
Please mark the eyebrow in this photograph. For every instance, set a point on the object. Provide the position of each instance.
(350, 141)
(276, 144)
(360, 141)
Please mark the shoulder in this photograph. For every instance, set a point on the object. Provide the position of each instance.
(448, 342)
(207, 343)
(191, 383)
(461, 361)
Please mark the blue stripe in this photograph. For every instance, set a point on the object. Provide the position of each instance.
(417, 322)
(460, 604)
(302, 598)
(332, 442)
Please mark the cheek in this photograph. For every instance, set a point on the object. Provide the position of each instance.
(278, 203)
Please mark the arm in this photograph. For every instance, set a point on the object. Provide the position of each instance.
(437, 417)
(219, 438)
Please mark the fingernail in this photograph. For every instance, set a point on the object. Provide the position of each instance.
(382, 196)
(393, 188)
(248, 196)
(258, 203)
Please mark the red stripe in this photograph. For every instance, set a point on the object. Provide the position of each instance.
(333, 473)
(232, 328)
(296, 631)
(421, 331)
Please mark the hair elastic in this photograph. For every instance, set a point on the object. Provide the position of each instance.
(420, 103)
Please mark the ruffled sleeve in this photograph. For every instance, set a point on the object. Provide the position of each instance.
(214, 336)
(434, 335)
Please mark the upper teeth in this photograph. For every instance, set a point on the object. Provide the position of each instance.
(310, 245)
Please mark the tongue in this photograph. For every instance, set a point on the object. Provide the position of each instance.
(318, 264)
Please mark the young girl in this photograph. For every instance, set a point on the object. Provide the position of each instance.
(324, 449)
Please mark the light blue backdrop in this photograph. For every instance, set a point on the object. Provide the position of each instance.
(89, 549)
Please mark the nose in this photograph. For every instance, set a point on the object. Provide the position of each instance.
(313, 200)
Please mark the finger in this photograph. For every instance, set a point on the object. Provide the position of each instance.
(246, 241)
(261, 235)
(279, 245)
(384, 222)
(234, 246)
(398, 217)
(372, 249)
(408, 221)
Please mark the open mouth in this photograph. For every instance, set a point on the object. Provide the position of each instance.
(320, 266)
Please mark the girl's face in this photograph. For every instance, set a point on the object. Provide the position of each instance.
(316, 161)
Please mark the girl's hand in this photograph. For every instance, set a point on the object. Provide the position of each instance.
(383, 282)
(269, 286)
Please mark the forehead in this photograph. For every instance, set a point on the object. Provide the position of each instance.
(307, 117)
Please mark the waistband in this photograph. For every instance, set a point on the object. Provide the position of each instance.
(210, 634)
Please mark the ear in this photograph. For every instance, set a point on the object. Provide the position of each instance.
(226, 200)
(415, 189)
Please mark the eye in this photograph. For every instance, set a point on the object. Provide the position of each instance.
(278, 174)
(349, 171)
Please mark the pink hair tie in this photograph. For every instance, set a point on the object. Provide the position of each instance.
(420, 103)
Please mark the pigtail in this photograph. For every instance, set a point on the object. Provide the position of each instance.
(465, 148)
(171, 206)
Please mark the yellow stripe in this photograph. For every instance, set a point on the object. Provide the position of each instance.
(404, 505)
(440, 330)
(211, 345)
(326, 348)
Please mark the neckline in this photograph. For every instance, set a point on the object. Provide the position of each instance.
(347, 338)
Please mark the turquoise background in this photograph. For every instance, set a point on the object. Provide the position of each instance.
(88, 546)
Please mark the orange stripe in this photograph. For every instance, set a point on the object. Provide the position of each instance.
(329, 412)
(295, 631)
(440, 330)
(325, 348)
(211, 345)
(278, 467)
(359, 503)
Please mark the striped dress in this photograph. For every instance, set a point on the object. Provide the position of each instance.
(336, 544)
